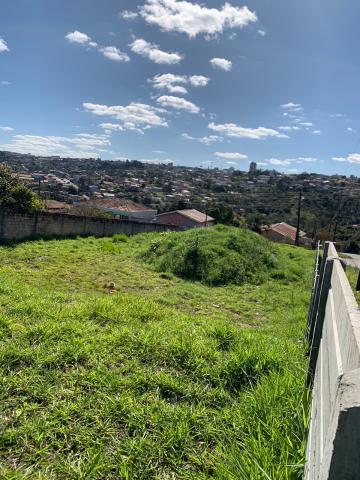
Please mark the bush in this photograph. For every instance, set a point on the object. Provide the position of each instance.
(215, 256)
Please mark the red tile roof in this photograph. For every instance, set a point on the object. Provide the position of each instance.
(192, 214)
(286, 230)
(195, 215)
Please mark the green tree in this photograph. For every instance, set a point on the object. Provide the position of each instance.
(221, 212)
(15, 195)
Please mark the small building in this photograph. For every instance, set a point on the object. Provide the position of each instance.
(120, 208)
(53, 206)
(188, 218)
(284, 233)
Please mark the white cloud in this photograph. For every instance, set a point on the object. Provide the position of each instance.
(110, 127)
(289, 161)
(115, 54)
(349, 129)
(170, 82)
(178, 103)
(291, 105)
(193, 19)
(82, 145)
(6, 129)
(128, 15)
(317, 132)
(199, 80)
(233, 130)
(207, 140)
(288, 128)
(306, 124)
(78, 37)
(221, 63)
(262, 33)
(111, 52)
(3, 46)
(307, 159)
(231, 155)
(156, 161)
(135, 116)
(153, 53)
(352, 158)
(5, 82)
(277, 161)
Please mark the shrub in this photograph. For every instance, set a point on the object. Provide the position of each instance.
(215, 256)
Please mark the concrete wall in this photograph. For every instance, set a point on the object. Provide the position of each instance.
(44, 224)
(333, 448)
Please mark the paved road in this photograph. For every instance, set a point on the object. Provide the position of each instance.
(353, 260)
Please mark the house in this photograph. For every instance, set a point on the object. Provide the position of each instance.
(284, 233)
(120, 208)
(187, 218)
(53, 206)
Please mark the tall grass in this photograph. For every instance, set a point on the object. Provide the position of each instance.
(216, 256)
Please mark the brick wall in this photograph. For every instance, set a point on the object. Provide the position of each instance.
(15, 226)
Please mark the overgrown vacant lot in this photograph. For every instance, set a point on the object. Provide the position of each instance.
(168, 377)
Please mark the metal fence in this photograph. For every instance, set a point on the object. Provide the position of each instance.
(333, 448)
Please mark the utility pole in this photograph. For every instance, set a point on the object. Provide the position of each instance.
(297, 236)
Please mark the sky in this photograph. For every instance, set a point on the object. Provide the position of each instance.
(210, 84)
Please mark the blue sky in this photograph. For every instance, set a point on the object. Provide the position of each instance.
(212, 83)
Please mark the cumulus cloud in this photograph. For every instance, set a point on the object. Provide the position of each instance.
(233, 130)
(352, 158)
(78, 37)
(289, 161)
(171, 82)
(135, 116)
(111, 52)
(6, 129)
(199, 80)
(194, 19)
(221, 63)
(115, 54)
(3, 46)
(82, 145)
(153, 53)
(177, 103)
(207, 140)
(306, 124)
(231, 155)
(262, 33)
(317, 132)
(128, 15)
(5, 82)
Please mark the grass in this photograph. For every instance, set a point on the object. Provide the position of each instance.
(352, 274)
(163, 379)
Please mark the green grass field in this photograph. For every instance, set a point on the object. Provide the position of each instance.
(166, 378)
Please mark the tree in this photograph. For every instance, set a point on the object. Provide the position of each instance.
(15, 195)
(221, 212)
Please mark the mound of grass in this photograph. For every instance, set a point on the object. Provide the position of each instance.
(216, 256)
